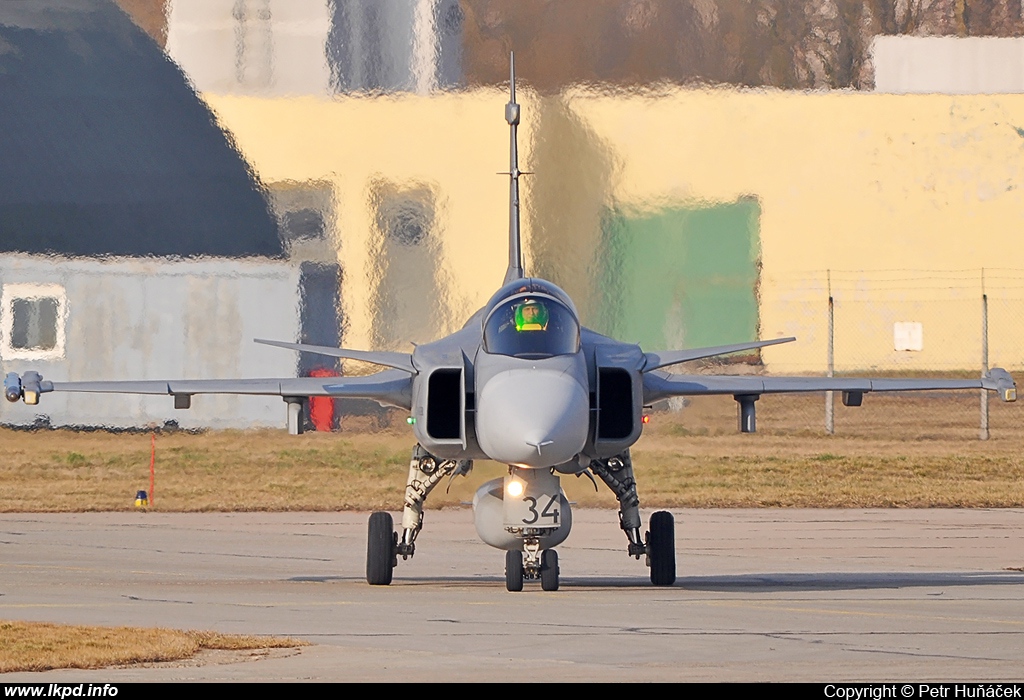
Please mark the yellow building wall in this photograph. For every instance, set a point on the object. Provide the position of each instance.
(455, 143)
(904, 198)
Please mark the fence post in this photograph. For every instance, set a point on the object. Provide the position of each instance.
(830, 418)
(983, 432)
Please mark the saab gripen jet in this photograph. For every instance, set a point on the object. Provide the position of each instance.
(523, 384)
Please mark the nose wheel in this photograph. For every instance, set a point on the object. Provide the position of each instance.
(514, 570)
(549, 570)
(381, 549)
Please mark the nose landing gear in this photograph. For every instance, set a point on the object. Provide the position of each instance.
(549, 570)
(514, 573)
(538, 565)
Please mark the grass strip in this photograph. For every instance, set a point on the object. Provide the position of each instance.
(42, 646)
(892, 452)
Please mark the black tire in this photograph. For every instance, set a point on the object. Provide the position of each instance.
(514, 570)
(380, 549)
(549, 570)
(661, 548)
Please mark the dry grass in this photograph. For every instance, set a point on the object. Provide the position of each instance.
(893, 451)
(39, 646)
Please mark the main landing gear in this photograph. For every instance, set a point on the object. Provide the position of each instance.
(383, 544)
(659, 543)
(381, 549)
(661, 548)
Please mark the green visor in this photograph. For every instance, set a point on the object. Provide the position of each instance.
(531, 316)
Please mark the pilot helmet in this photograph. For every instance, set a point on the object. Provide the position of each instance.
(531, 315)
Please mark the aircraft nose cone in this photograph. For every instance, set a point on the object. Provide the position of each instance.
(532, 417)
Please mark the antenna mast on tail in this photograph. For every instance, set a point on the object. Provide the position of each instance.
(515, 255)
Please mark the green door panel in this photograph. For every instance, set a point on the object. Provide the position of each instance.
(681, 276)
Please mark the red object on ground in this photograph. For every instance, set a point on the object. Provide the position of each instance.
(152, 467)
(321, 408)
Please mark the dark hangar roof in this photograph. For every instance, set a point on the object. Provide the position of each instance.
(106, 150)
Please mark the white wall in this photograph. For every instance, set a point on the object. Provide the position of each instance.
(269, 47)
(160, 319)
(948, 65)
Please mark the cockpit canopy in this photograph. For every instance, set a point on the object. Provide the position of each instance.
(531, 325)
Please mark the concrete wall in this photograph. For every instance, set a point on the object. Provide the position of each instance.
(315, 47)
(158, 319)
(948, 65)
(264, 46)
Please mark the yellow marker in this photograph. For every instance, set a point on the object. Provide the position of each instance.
(141, 499)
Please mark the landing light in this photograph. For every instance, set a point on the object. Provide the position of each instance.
(515, 488)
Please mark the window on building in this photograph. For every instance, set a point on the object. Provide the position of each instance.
(409, 301)
(304, 213)
(406, 217)
(32, 321)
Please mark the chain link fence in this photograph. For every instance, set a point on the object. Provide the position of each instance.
(890, 323)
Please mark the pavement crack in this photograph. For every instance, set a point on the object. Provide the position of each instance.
(923, 655)
(157, 600)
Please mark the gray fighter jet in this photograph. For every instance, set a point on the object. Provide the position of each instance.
(525, 385)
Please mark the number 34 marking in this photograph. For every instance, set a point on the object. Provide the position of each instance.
(549, 511)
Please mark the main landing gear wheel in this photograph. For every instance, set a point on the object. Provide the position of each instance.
(381, 546)
(661, 548)
(514, 570)
(549, 570)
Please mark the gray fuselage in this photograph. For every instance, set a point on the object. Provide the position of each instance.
(531, 399)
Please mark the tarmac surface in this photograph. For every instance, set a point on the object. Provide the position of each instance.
(803, 595)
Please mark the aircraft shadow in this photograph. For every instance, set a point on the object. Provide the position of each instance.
(821, 581)
(755, 582)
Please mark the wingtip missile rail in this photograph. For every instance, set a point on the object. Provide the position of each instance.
(999, 380)
(28, 387)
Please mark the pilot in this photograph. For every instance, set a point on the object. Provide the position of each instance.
(531, 316)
